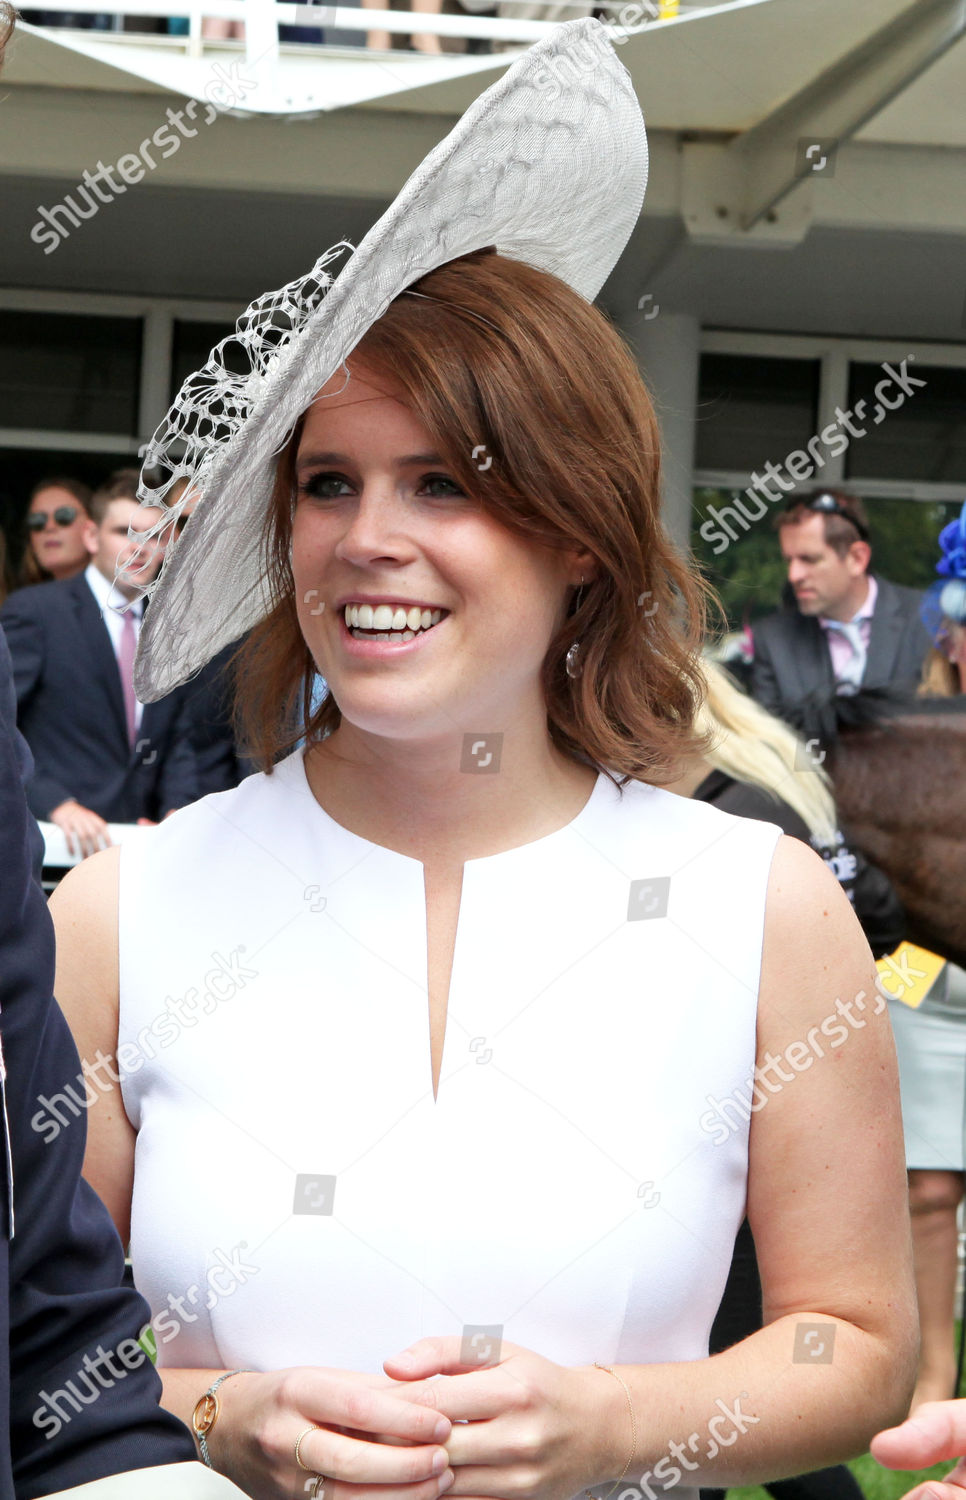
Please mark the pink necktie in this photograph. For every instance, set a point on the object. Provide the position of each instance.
(125, 662)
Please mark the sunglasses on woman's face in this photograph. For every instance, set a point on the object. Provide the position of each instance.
(64, 515)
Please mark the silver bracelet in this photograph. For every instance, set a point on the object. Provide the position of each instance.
(206, 1411)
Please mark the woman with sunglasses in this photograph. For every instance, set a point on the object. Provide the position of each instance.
(417, 1085)
(61, 533)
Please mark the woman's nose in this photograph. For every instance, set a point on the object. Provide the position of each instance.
(376, 526)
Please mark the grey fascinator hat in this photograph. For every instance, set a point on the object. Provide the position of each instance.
(548, 166)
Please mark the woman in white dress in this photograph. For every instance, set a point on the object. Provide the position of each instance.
(432, 1123)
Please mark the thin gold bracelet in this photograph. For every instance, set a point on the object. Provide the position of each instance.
(630, 1408)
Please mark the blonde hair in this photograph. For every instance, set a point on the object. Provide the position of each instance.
(751, 745)
(940, 679)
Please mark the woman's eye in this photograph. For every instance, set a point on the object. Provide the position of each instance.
(441, 485)
(324, 486)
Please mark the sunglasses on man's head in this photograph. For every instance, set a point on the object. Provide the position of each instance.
(64, 515)
(830, 505)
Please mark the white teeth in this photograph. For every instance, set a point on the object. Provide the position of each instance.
(392, 622)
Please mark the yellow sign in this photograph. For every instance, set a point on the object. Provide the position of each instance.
(909, 973)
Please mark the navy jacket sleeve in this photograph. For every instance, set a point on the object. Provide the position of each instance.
(178, 783)
(23, 627)
(24, 759)
(65, 1302)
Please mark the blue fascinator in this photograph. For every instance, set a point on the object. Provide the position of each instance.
(947, 600)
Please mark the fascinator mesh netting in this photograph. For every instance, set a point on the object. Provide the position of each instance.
(946, 598)
(548, 166)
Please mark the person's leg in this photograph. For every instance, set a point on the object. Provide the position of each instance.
(381, 40)
(933, 1200)
(425, 41)
(215, 29)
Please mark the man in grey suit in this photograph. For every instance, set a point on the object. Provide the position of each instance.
(850, 628)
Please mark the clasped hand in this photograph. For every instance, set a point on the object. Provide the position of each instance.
(523, 1426)
(519, 1427)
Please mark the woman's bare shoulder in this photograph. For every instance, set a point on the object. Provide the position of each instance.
(814, 952)
(84, 912)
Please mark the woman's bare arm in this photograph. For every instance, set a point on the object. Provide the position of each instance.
(827, 1203)
(84, 911)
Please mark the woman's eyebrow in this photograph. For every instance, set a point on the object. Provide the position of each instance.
(308, 460)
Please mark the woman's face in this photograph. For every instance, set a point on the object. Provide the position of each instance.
(455, 611)
(61, 549)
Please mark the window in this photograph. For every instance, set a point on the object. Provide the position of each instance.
(67, 372)
(924, 438)
(753, 408)
(192, 344)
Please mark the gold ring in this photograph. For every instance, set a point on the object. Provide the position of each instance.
(298, 1443)
(318, 1489)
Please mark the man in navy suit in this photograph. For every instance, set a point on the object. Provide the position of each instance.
(100, 756)
(64, 1310)
(849, 628)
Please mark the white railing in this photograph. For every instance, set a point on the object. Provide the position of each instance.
(57, 856)
(262, 19)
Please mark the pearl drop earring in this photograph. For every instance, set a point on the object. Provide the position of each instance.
(572, 663)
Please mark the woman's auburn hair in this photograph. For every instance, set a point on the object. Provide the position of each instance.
(496, 357)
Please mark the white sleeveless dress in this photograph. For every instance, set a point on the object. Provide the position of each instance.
(300, 1198)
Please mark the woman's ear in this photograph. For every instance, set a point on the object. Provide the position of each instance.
(584, 568)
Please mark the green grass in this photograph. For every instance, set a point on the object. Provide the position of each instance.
(875, 1482)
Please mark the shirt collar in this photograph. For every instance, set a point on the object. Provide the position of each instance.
(108, 597)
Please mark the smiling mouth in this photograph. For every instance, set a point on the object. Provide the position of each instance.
(388, 622)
